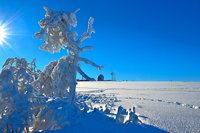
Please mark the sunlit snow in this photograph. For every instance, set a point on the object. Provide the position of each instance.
(172, 106)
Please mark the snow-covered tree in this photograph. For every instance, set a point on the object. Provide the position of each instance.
(56, 33)
(55, 79)
(16, 95)
(23, 106)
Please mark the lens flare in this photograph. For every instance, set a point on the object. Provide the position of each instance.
(3, 35)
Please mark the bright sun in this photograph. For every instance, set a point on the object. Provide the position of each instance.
(3, 35)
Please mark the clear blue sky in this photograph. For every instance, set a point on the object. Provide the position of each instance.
(157, 40)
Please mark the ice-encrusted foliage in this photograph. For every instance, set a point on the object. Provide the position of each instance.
(56, 78)
(53, 114)
(15, 95)
(21, 69)
(56, 33)
(55, 28)
(23, 107)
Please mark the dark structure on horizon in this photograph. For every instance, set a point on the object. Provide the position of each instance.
(100, 77)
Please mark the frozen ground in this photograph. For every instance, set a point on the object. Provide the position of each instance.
(172, 106)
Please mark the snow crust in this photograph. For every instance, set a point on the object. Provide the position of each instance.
(172, 106)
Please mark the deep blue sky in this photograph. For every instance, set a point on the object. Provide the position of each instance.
(157, 40)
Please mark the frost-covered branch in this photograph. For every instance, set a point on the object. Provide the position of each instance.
(54, 29)
(85, 48)
(90, 62)
(87, 34)
(84, 75)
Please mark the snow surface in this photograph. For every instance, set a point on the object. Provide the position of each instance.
(96, 123)
(172, 106)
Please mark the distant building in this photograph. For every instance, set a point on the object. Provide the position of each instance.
(100, 77)
(113, 76)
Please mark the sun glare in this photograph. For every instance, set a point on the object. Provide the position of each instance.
(3, 35)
